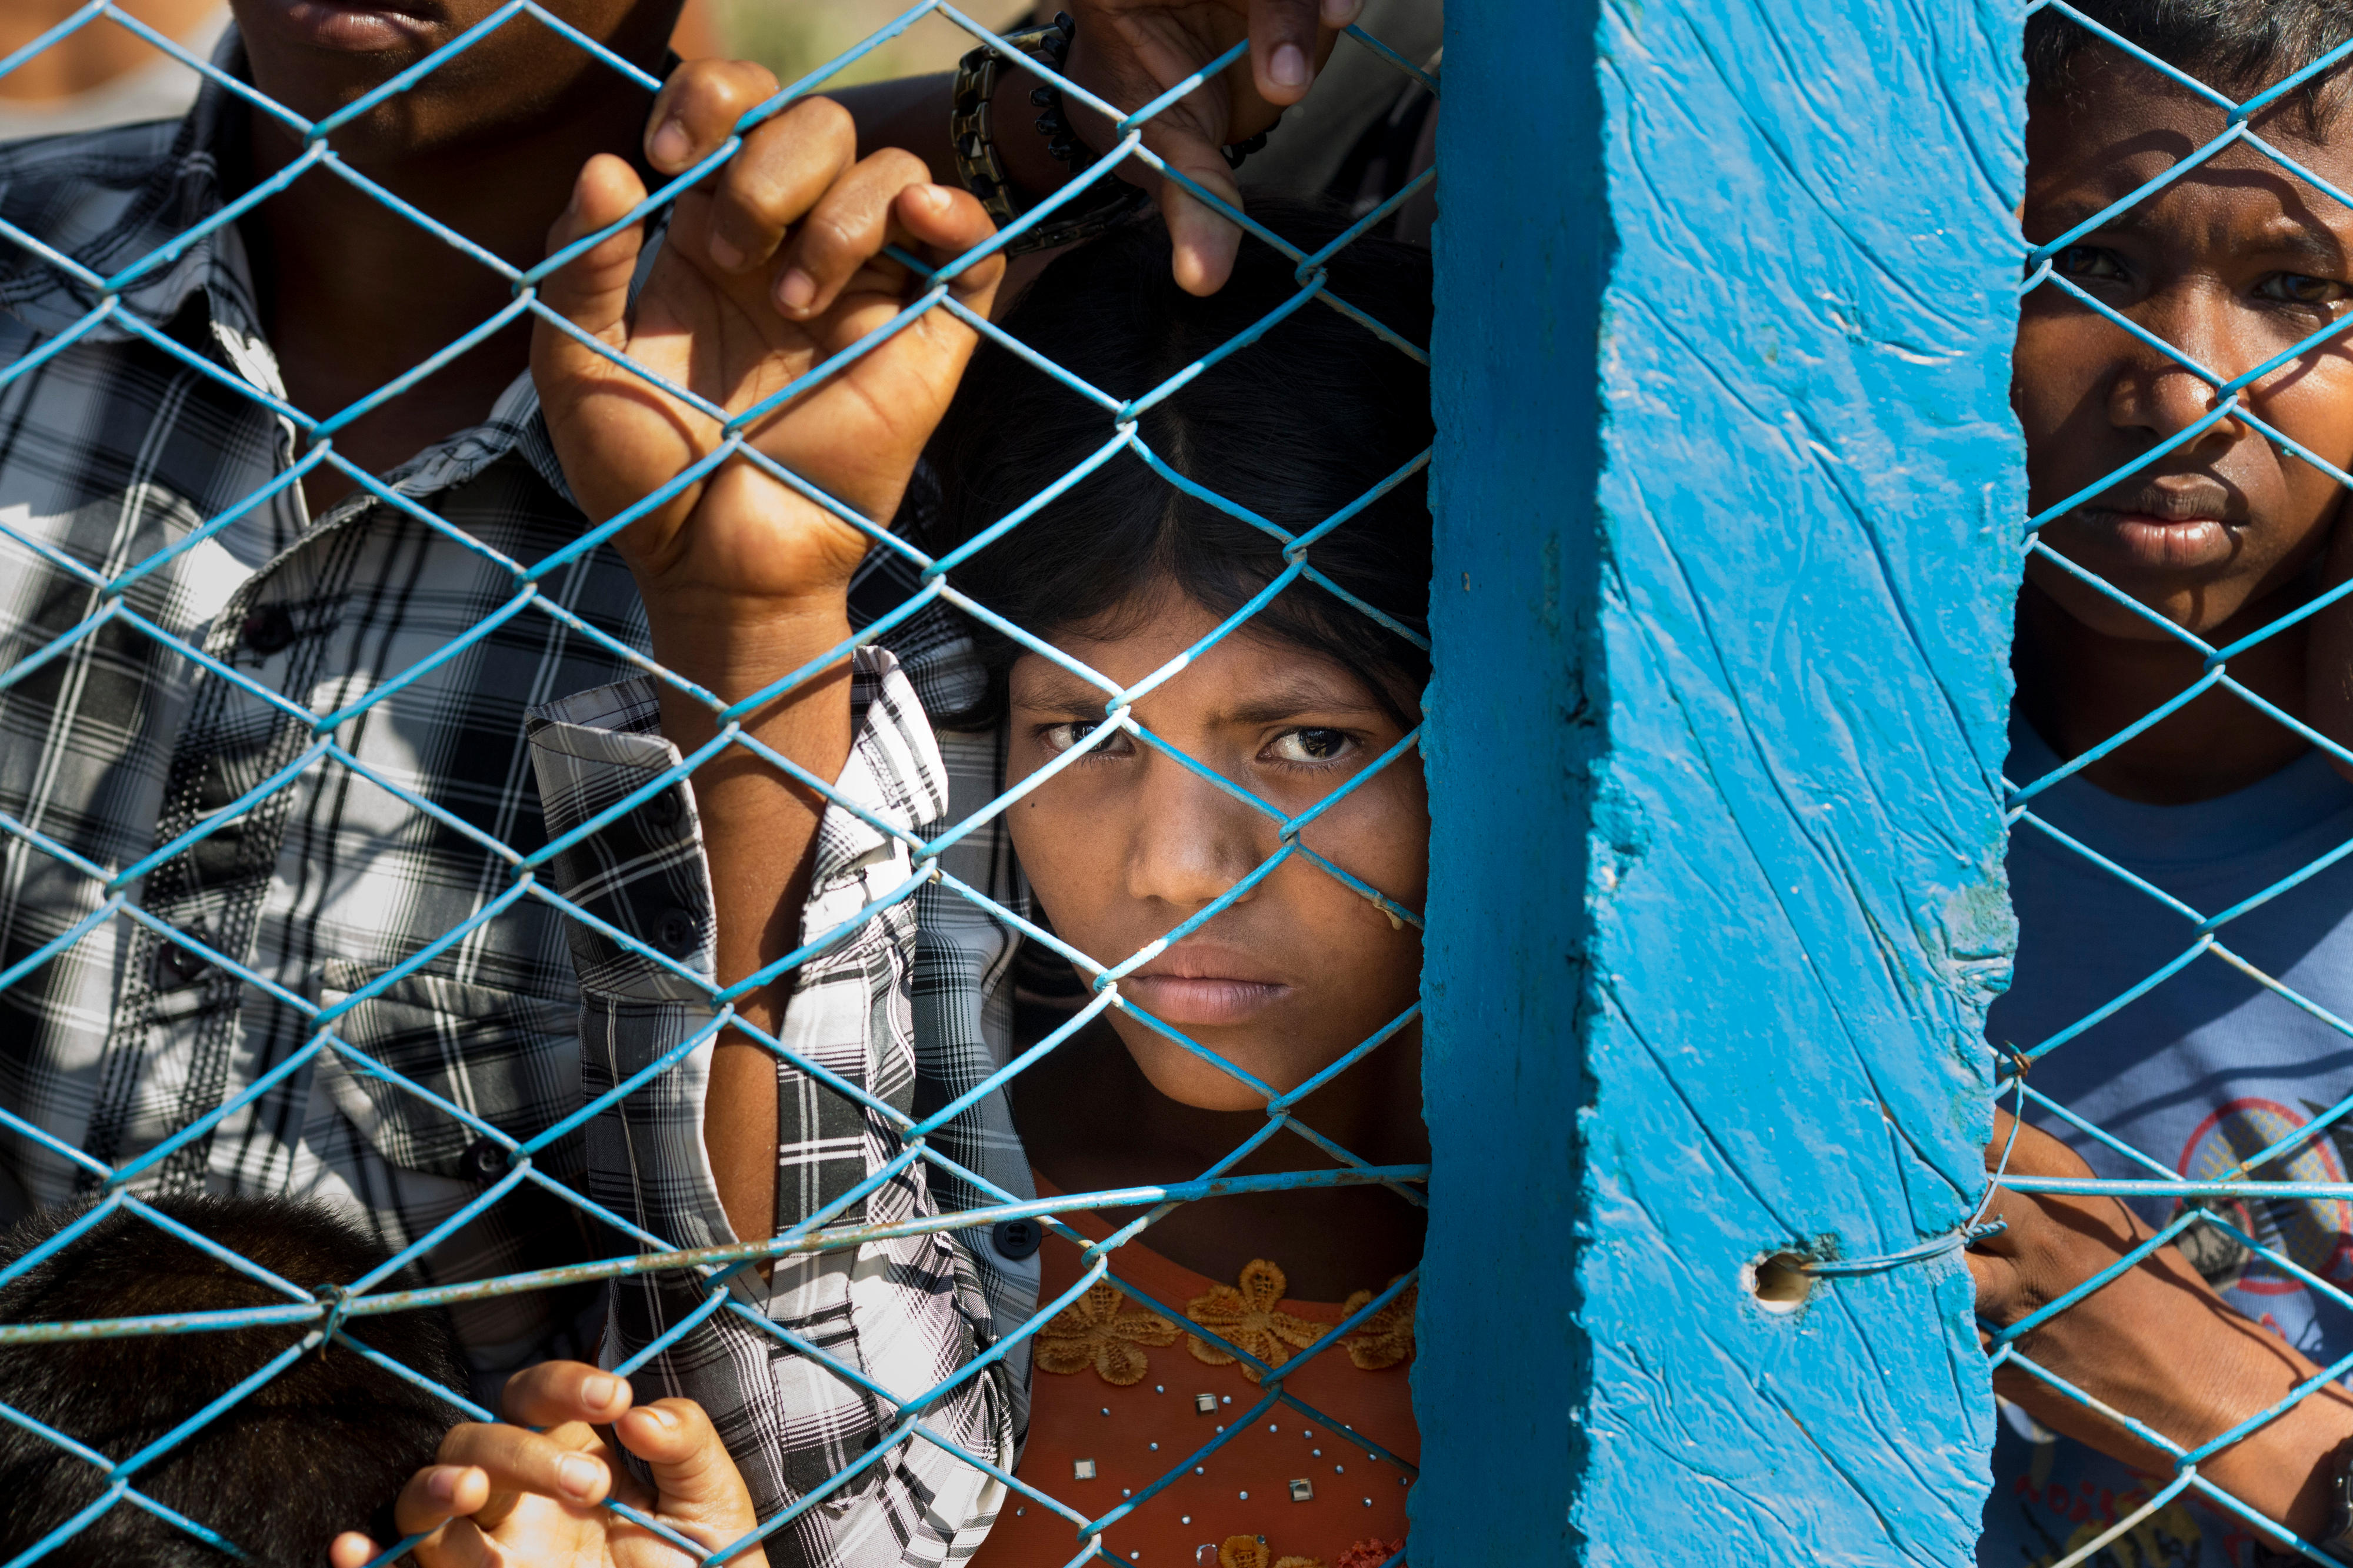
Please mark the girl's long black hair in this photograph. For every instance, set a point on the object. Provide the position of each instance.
(1293, 426)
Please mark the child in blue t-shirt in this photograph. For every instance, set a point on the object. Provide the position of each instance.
(2185, 998)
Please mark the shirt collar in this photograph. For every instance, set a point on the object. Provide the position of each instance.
(111, 200)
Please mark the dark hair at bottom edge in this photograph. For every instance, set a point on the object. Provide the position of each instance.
(320, 1447)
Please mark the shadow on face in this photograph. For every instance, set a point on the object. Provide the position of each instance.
(1124, 843)
(2236, 265)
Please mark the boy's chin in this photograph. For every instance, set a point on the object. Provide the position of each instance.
(2198, 607)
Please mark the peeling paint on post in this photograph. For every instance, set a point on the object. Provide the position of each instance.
(1728, 501)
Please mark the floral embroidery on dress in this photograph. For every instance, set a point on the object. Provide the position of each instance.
(1385, 1338)
(1251, 1552)
(1096, 1330)
(1247, 1317)
(1369, 1554)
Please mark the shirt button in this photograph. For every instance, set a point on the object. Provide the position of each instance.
(678, 933)
(268, 629)
(485, 1159)
(661, 814)
(177, 966)
(1016, 1238)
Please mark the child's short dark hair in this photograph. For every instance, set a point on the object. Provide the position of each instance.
(2236, 46)
(1297, 425)
(316, 1451)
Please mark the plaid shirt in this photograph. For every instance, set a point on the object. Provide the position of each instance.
(111, 450)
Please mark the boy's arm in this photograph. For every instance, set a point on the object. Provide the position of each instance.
(789, 1366)
(2157, 1345)
(770, 270)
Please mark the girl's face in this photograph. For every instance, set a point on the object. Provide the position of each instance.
(1126, 843)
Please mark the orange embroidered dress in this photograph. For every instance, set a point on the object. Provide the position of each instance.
(1122, 1396)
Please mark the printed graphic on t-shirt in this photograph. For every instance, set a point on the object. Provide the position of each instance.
(2315, 1233)
(2169, 1538)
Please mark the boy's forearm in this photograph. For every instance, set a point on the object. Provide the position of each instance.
(2158, 1346)
(759, 831)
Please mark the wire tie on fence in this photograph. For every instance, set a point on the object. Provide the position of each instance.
(1934, 1247)
(1968, 1233)
(337, 1299)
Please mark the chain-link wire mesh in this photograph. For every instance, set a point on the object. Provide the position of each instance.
(112, 894)
(2256, 1197)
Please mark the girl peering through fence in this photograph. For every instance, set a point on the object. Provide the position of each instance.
(1125, 573)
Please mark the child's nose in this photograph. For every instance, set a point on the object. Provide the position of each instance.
(2161, 391)
(1191, 840)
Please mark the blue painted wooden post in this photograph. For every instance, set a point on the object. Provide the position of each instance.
(1729, 505)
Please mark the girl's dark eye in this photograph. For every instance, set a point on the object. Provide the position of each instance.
(1059, 738)
(2087, 261)
(1309, 747)
(2300, 289)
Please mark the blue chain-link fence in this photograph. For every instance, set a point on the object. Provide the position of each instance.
(93, 897)
(1711, 942)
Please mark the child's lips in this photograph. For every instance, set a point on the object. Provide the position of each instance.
(2165, 544)
(1201, 1000)
(358, 28)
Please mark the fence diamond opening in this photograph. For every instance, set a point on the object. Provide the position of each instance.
(102, 903)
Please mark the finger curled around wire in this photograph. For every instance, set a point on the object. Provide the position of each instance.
(355, 1549)
(836, 245)
(1203, 242)
(439, 1498)
(554, 1392)
(440, 1493)
(1289, 41)
(698, 108)
(592, 292)
(696, 1484)
(565, 1462)
(784, 166)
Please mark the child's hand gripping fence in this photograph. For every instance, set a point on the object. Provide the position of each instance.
(110, 891)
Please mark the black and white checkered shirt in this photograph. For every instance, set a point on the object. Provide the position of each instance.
(114, 743)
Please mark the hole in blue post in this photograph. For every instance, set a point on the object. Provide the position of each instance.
(1778, 1281)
